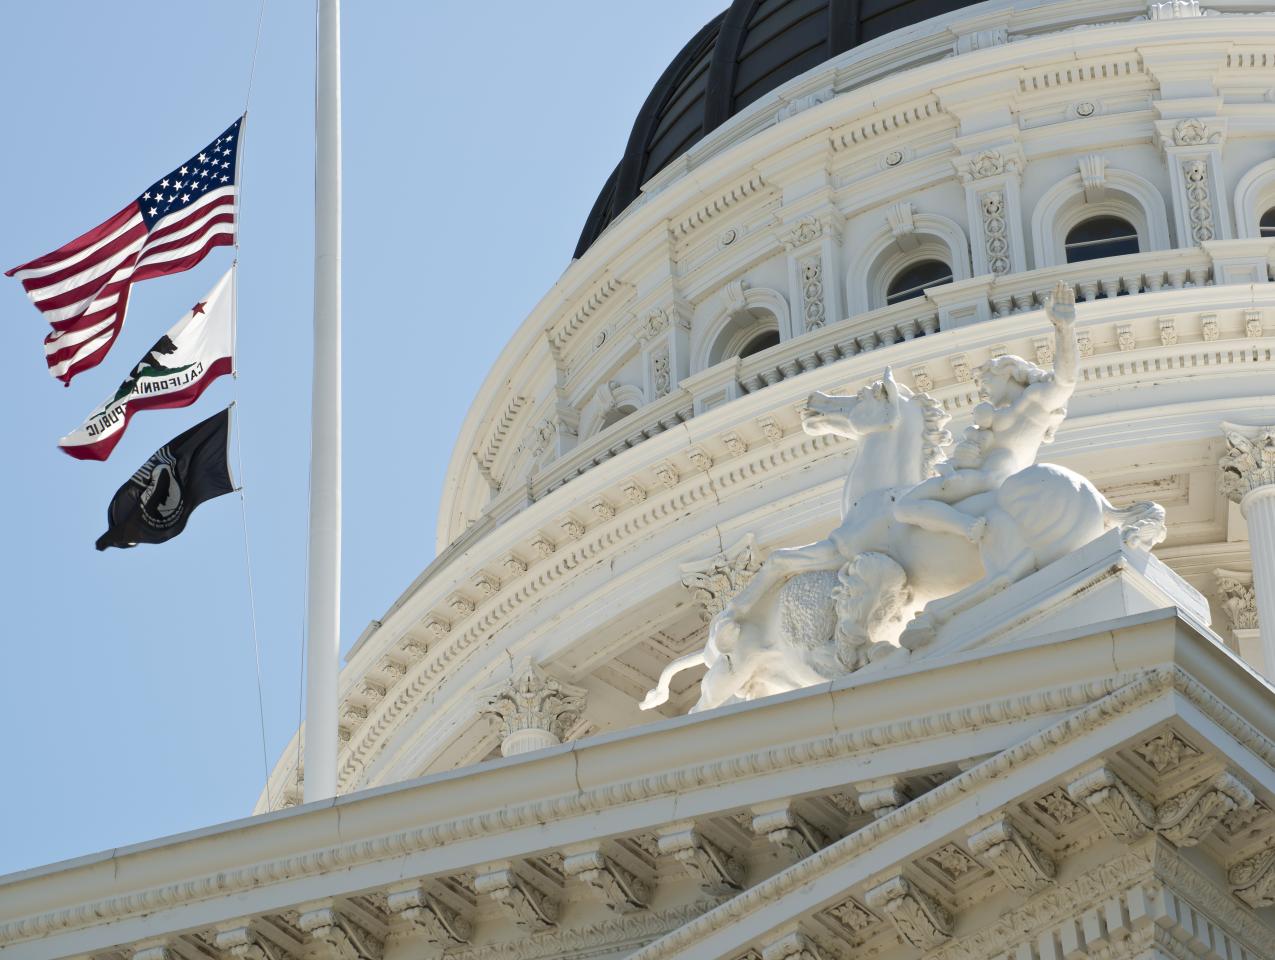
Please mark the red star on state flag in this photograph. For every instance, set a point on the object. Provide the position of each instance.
(198, 308)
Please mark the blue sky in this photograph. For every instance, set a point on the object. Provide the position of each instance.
(476, 138)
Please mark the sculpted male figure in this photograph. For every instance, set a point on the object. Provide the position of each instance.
(1023, 406)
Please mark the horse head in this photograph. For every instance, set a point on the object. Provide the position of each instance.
(879, 406)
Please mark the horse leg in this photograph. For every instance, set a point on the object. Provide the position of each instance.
(661, 692)
(820, 555)
(723, 681)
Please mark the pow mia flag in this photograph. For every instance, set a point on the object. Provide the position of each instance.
(159, 498)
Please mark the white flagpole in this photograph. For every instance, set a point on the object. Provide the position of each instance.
(324, 603)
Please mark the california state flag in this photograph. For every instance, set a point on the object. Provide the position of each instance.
(173, 373)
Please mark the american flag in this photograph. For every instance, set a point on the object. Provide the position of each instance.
(82, 288)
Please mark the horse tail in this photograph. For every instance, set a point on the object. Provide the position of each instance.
(1141, 524)
(660, 694)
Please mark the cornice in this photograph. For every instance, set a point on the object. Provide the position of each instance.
(1118, 692)
(1146, 687)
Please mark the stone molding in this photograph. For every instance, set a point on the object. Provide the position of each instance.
(438, 922)
(618, 888)
(1106, 700)
(918, 917)
(336, 936)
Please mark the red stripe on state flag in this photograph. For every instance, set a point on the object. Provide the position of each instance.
(101, 449)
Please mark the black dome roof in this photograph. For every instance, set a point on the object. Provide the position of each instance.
(742, 54)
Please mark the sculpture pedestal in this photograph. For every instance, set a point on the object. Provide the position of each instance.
(1104, 580)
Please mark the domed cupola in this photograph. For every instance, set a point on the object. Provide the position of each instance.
(742, 54)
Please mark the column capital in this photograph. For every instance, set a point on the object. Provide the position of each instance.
(534, 710)
(1239, 598)
(1248, 463)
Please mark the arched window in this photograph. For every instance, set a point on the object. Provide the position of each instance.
(763, 341)
(615, 415)
(1267, 225)
(1098, 237)
(914, 280)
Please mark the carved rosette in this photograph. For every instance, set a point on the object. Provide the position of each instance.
(534, 710)
(995, 230)
(1253, 879)
(1021, 864)
(918, 917)
(1249, 462)
(716, 581)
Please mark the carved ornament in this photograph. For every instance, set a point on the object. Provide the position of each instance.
(918, 917)
(533, 700)
(1018, 861)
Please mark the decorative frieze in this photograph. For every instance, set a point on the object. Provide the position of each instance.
(533, 709)
(634, 492)
(717, 871)
(572, 527)
(667, 474)
(770, 429)
(601, 509)
(335, 936)
(460, 605)
(714, 582)
(543, 546)
(514, 565)
(1018, 861)
(429, 916)
(918, 917)
(1168, 331)
(618, 888)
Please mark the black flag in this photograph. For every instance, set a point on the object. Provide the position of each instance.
(159, 498)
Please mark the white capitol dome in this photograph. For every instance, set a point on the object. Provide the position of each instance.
(646, 414)
(817, 190)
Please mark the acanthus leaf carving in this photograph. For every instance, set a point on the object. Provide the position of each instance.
(436, 921)
(716, 870)
(1126, 814)
(919, 918)
(1165, 751)
(1249, 462)
(793, 945)
(334, 936)
(785, 828)
(246, 942)
(1239, 598)
(533, 700)
(1252, 879)
(619, 888)
(1189, 817)
(715, 581)
(1018, 861)
(526, 904)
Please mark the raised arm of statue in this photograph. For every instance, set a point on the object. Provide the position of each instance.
(1061, 311)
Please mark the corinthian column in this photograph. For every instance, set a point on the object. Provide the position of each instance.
(1248, 478)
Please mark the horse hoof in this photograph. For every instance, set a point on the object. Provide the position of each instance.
(918, 633)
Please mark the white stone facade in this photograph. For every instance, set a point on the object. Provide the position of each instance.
(1086, 770)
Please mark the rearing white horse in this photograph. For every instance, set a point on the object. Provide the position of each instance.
(1038, 515)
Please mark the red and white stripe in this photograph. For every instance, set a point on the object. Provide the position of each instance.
(82, 288)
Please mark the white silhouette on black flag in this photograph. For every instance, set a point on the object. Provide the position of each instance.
(160, 497)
